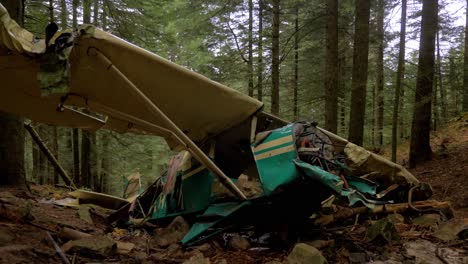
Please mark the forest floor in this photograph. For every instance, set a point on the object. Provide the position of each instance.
(26, 218)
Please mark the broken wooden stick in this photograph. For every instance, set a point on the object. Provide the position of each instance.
(58, 249)
(71, 234)
(35, 136)
(345, 213)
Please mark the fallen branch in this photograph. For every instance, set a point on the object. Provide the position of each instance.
(345, 213)
(72, 234)
(35, 136)
(57, 249)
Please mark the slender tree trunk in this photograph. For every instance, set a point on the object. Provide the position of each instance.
(63, 14)
(76, 156)
(96, 13)
(420, 148)
(250, 59)
(331, 67)
(399, 79)
(342, 94)
(260, 52)
(296, 64)
(105, 163)
(75, 5)
(373, 116)
(435, 105)
(442, 91)
(54, 149)
(86, 11)
(454, 86)
(379, 92)
(465, 66)
(85, 177)
(275, 59)
(104, 14)
(360, 64)
(51, 11)
(11, 127)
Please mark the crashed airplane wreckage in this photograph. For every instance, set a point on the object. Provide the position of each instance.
(237, 164)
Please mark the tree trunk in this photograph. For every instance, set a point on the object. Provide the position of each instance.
(342, 93)
(379, 92)
(465, 66)
(331, 67)
(105, 163)
(104, 14)
(51, 11)
(63, 14)
(96, 13)
(250, 59)
(296, 63)
(54, 150)
(75, 6)
(275, 58)
(76, 156)
(85, 177)
(435, 108)
(260, 52)
(359, 81)
(399, 79)
(420, 148)
(11, 127)
(443, 97)
(86, 11)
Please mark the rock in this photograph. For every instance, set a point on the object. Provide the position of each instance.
(450, 230)
(274, 262)
(427, 220)
(84, 214)
(382, 228)
(220, 261)
(319, 244)
(175, 251)
(197, 258)
(237, 242)
(203, 247)
(305, 254)
(93, 246)
(140, 256)
(173, 233)
(124, 247)
(6, 236)
(423, 251)
(396, 218)
(357, 257)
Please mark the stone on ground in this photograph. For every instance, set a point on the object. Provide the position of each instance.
(305, 254)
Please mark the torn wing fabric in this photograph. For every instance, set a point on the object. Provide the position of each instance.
(197, 105)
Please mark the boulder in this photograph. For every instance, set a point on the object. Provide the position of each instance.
(171, 234)
(93, 246)
(237, 242)
(197, 258)
(305, 254)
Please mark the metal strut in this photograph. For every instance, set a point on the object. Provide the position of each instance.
(180, 135)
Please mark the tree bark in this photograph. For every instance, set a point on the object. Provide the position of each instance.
(275, 59)
(63, 14)
(296, 63)
(250, 59)
(379, 92)
(342, 93)
(359, 73)
(443, 97)
(105, 163)
(399, 79)
(76, 156)
(86, 11)
(260, 52)
(96, 13)
(465, 66)
(420, 148)
(331, 67)
(75, 6)
(51, 11)
(11, 127)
